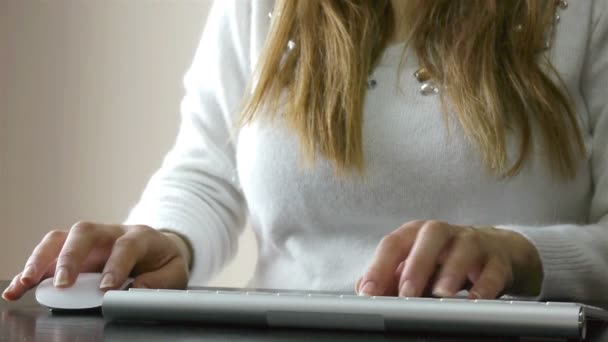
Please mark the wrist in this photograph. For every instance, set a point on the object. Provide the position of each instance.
(527, 265)
(182, 244)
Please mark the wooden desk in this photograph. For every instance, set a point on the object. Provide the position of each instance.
(26, 321)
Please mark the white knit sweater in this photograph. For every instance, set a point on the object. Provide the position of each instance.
(316, 231)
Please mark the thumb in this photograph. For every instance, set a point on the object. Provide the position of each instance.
(173, 275)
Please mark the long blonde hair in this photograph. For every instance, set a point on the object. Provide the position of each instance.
(484, 54)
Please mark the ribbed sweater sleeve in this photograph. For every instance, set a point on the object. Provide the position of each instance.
(575, 257)
(196, 191)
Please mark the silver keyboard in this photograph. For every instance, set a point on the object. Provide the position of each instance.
(349, 311)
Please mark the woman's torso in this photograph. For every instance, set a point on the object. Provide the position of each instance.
(318, 231)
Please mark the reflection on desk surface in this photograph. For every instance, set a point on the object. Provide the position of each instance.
(39, 324)
(36, 324)
(152, 332)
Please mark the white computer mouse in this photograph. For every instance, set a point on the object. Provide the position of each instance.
(84, 294)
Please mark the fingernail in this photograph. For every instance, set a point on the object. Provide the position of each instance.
(61, 277)
(107, 281)
(28, 273)
(368, 289)
(407, 289)
(444, 287)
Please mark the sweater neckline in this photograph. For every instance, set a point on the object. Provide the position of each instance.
(392, 54)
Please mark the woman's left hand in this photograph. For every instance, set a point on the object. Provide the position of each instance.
(494, 260)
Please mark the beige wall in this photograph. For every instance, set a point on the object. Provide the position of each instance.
(89, 98)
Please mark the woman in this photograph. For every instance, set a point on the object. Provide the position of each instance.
(478, 161)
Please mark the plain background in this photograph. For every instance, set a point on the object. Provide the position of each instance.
(89, 105)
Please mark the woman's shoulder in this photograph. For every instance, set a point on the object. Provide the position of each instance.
(591, 12)
(240, 25)
(255, 12)
(576, 23)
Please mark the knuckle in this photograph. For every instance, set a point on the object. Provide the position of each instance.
(68, 254)
(460, 254)
(408, 230)
(140, 229)
(34, 258)
(15, 279)
(469, 237)
(82, 227)
(414, 223)
(55, 234)
(125, 242)
(67, 257)
(434, 227)
(390, 242)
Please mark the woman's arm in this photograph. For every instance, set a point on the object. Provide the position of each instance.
(575, 257)
(196, 192)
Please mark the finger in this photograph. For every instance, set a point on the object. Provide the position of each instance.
(357, 285)
(464, 255)
(399, 270)
(391, 251)
(493, 280)
(127, 251)
(171, 276)
(422, 261)
(43, 256)
(474, 273)
(394, 290)
(81, 239)
(15, 289)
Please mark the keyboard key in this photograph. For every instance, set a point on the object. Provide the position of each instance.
(200, 291)
(418, 299)
(290, 294)
(321, 295)
(353, 297)
(257, 293)
(525, 302)
(490, 301)
(229, 292)
(561, 304)
(455, 300)
(385, 298)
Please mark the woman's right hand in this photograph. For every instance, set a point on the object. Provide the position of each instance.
(155, 259)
